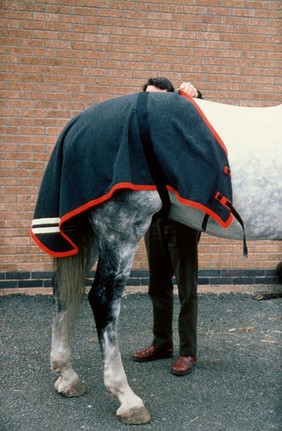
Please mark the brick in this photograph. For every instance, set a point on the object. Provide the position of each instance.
(209, 273)
(8, 284)
(243, 280)
(30, 283)
(220, 280)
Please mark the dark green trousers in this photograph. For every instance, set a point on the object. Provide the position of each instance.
(172, 249)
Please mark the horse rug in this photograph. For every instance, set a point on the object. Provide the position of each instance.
(100, 152)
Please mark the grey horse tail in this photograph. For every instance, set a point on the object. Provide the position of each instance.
(70, 272)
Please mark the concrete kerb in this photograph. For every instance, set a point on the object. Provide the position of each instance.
(129, 290)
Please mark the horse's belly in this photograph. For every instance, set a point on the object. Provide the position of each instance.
(257, 195)
(260, 221)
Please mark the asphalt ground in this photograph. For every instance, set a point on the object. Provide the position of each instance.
(236, 385)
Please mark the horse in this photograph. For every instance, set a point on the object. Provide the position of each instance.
(109, 229)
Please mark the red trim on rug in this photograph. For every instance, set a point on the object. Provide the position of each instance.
(55, 253)
(106, 197)
(203, 208)
(212, 129)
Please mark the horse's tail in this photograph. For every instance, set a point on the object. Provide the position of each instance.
(70, 272)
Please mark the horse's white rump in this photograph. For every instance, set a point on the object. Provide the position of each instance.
(253, 137)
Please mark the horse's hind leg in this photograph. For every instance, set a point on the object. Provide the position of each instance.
(104, 299)
(68, 291)
(68, 382)
(117, 244)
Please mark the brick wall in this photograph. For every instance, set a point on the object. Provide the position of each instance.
(59, 57)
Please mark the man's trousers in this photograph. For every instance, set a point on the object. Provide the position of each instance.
(172, 249)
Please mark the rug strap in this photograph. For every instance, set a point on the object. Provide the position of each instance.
(239, 219)
(153, 164)
(205, 222)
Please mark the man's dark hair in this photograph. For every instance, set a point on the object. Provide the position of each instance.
(160, 82)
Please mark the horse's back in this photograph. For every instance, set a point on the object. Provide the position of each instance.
(246, 128)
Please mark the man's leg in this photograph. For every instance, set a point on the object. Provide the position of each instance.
(161, 294)
(160, 284)
(184, 254)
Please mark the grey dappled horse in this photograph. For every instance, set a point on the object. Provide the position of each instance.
(254, 140)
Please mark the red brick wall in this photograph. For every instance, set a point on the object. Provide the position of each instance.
(59, 57)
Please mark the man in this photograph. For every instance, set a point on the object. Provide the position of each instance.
(172, 249)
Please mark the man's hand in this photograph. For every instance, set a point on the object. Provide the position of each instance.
(189, 89)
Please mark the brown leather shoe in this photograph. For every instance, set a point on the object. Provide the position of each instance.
(153, 353)
(183, 365)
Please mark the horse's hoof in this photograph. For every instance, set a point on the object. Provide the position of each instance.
(136, 416)
(77, 389)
